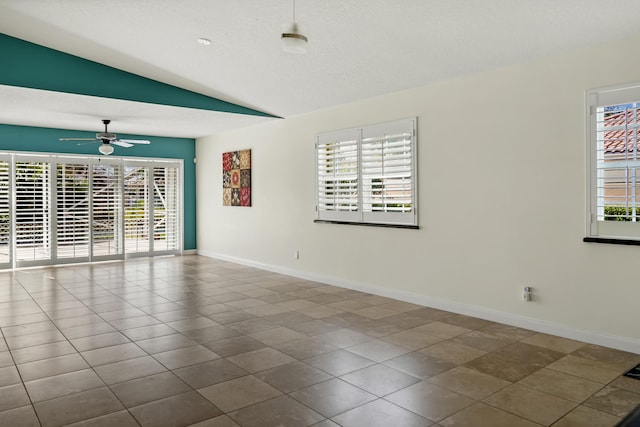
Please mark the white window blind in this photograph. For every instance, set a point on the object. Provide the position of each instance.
(5, 212)
(368, 175)
(165, 209)
(72, 207)
(614, 182)
(338, 170)
(136, 209)
(106, 188)
(32, 212)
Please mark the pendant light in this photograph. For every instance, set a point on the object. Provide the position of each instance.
(293, 41)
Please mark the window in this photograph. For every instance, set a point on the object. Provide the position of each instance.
(368, 175)
(614, 163)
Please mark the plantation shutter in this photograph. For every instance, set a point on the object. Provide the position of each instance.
(368, 175)
(338, 176)
(72, 207)
(615, 163)
(136, 209)
(165, 209)
(5, 213)
(106, 188)
(387, 173)
(32, 212)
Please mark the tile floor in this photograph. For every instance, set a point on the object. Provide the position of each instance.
(181, 341)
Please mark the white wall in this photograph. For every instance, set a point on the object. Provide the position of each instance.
(501, 198)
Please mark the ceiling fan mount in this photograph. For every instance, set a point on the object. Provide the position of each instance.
(106, 135)
(108, 140)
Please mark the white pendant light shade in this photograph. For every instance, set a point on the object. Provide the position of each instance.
(106, 149)
(293, 41)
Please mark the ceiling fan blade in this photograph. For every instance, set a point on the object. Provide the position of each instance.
(135, 141)
(121, 143)
(110, 138)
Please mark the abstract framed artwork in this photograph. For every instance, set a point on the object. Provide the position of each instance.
(236, 178)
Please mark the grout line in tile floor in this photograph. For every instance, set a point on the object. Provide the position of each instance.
(197, 341)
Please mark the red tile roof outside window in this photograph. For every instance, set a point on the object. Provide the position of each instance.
(621, 140)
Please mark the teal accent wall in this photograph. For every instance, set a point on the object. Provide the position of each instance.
(29, 65)
(24, 138)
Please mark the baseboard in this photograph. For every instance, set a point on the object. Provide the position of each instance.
(189, 252)
(534, 324)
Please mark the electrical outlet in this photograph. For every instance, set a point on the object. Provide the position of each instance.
(526, 294)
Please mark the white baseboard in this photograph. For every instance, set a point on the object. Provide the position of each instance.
(532, 323)
(190, 252)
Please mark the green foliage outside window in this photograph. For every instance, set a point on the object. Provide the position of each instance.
(620, 213)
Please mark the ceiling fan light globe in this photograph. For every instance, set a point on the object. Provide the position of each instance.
(106, 149)
(293, 40)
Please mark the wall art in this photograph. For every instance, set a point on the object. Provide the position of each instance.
(236, 178)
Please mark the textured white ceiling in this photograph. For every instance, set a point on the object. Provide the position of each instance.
(357, 49)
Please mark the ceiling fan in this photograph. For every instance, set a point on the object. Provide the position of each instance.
(109, 140)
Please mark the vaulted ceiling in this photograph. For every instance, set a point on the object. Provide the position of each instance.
(357, 49)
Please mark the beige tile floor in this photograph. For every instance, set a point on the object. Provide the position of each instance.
(181, 341)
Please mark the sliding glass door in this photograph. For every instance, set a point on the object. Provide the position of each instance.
(5, 212)
(72, 232)
(32, 212)
(151, 201)
(106, 215)
(166, 220)
(136, 210)
(61, 209)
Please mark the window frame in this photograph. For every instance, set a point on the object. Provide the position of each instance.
(350, 205)
(597, 228)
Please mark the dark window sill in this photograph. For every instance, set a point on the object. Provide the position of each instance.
(628, 242)
(368, 224)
